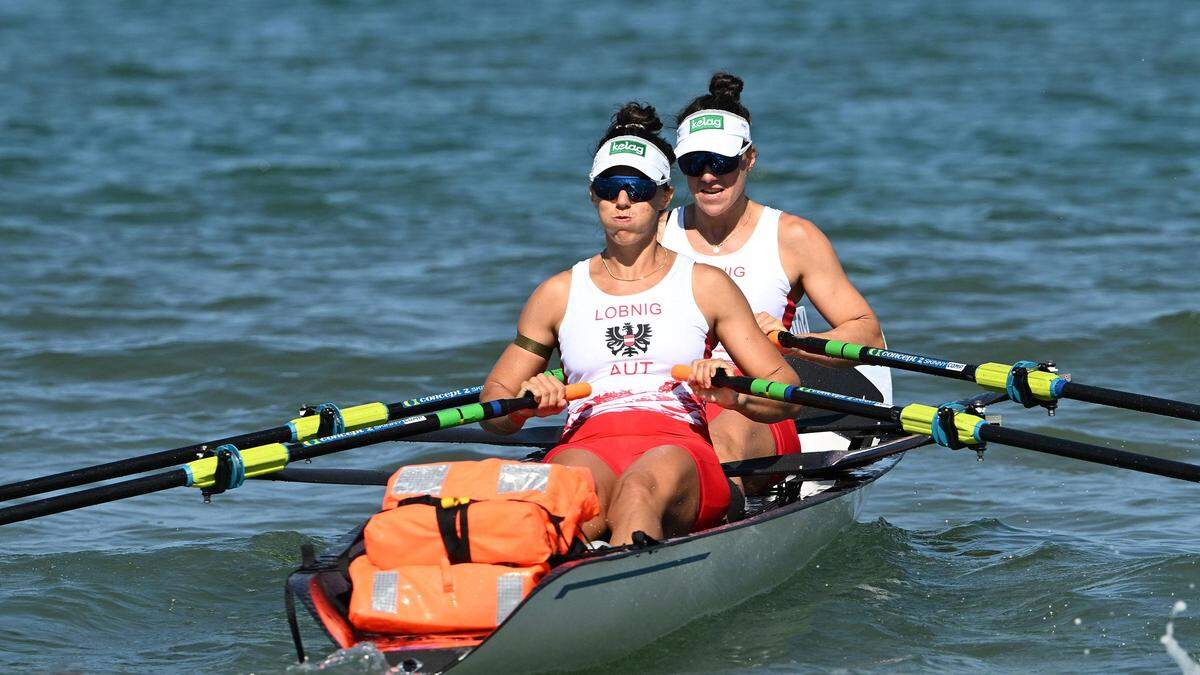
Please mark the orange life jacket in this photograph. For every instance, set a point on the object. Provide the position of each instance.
(426, 530)
(460, 544)
(436, 598)
(566, 492)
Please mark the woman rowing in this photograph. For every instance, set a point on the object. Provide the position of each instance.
(620, 320)
(775, 258)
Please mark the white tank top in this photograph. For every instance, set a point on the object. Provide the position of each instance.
(756, 268)
(625, 345)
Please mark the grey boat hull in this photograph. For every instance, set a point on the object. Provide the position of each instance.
(596, 609)
(603, 610)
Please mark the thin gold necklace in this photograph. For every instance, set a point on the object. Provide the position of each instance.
(716, 248)
(649, 274)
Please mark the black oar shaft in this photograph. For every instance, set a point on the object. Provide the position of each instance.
(1091, 453)
(93, 496)
(883, 357)
(177, 456)
(967, 372)
(292, 452)
(986, 431)
(329, 476)
(1137, 402)
(394, 431)
(848, 405)
(128, 467)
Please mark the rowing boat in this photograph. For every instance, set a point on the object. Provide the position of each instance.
(603, 604)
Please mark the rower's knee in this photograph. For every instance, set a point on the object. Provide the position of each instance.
(735, 437)
(637, 489)
(662, 482)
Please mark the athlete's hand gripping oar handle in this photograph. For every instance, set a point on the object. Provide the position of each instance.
(963, 429)
(299, 429)
(265, 459)
(1021, 379)
(787, 393)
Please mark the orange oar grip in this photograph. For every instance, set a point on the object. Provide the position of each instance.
(578, 390)
(681, 372)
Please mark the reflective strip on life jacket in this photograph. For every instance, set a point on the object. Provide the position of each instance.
(565, 491)
(436, 598)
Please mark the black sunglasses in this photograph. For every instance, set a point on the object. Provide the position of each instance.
(638, 189)
(694, 163)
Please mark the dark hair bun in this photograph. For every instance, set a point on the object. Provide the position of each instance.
(634, 116)
(641, 120)
(724, 85)
(724, 93)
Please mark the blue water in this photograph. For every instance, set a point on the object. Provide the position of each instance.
(212, 214)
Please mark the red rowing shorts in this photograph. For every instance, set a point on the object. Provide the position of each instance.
(787, 442)
(619, 438)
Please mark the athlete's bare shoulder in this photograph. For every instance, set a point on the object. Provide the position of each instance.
(708, 281)
(553, 290)
(797, 232)
(803, 247)
(545, 308)
(716, 294)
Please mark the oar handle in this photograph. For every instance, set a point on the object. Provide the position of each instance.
(682, 373)
(574, 392)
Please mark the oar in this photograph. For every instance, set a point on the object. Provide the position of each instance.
(1024, 381)
(818, 464)
(299, 429)
(229, 467)
(951, 425)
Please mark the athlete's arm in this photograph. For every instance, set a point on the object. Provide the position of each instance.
(809, 258)
(519, 370)
(728, 312)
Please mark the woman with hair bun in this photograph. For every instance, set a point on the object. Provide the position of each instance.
(621, 319)
(775, 258)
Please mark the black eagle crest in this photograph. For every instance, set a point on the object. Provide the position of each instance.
(630, 342)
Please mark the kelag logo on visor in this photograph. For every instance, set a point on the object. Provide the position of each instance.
(631, 147)
(707, 122)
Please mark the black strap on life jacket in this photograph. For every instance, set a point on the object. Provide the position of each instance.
(451, 517)
(452, 524)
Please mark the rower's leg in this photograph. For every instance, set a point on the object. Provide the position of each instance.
(736, 437)
(658, 494)
(605, 479)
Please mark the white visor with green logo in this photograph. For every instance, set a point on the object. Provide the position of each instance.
(713, 131)
(635, 153)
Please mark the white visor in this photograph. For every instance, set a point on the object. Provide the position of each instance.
(714, 131)
(634, 152)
